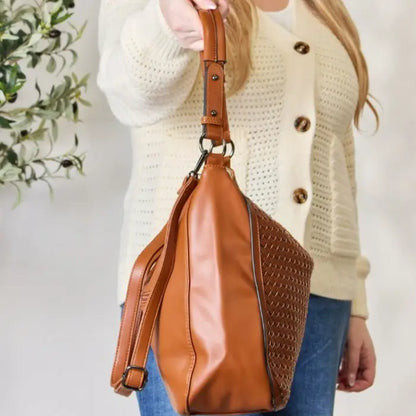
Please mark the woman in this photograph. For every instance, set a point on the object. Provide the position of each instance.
(297, 82)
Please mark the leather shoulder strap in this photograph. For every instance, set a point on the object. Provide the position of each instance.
(213, 58)
(144, 296)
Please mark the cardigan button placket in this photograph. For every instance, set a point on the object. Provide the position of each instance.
(298, 116)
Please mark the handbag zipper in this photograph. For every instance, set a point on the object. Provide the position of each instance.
(265, 341)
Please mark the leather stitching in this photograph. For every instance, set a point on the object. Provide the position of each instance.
(191, 368)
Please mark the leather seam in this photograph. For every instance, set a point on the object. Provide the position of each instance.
(214, 165)
(256, 250)
(191, 345)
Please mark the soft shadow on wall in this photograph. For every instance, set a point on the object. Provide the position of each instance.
(58, 270)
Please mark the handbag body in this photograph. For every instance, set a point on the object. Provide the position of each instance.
(221, 292)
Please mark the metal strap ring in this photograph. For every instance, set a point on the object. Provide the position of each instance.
(201, 147)
(224, 146)
(232, 148)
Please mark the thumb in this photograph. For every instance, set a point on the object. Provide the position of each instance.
(353, 359)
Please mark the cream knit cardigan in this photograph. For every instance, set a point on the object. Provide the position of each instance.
(154, 86)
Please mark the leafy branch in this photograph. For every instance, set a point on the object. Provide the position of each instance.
(31, 35)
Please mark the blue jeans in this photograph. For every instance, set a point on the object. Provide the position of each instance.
(314, 383)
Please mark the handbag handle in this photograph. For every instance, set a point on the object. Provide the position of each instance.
(147, 286)
(213, 57)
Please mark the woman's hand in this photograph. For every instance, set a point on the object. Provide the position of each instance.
(359, 359)
(183, 19)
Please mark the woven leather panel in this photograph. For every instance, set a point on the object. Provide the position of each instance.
(286, 268)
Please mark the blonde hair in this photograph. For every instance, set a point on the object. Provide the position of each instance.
(240, 23)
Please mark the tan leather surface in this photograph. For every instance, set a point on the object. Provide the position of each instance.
(203, 334)
(172, 339)
(226, 330)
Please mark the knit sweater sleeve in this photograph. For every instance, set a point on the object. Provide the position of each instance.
(359, 305)
(143, 70)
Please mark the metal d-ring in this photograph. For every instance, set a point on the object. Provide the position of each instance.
(206, 152)
(201, 147)
(225, 148)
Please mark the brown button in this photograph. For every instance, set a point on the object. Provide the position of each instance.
(302, 47)
(300, 195)
(302, 124)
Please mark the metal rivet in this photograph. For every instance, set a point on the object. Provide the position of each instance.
(213, 113)
(214, 77)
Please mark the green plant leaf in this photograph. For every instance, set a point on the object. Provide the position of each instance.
(22, 123)
(51, 67)
(84, 102)
(47, 114)
(8, 36)
(18, 199)
(5, 123)
(62, 18)
(54, 129)
(12, 156)
(74, 56)
(34, 39)
(29, 35)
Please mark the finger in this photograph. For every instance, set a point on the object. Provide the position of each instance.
(342, 375)
(197, 46)
(367, 369)
(342, 386)
(224, 7)
(368, 375)
(342, 371)
(195, 39)
(365, 374)
(205, 4)
(190, 33)
(359, 385)
(353, 359)
(195, 21)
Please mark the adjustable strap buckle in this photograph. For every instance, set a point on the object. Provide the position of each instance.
(126, 372)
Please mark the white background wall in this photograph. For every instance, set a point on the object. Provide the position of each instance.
(59, 318)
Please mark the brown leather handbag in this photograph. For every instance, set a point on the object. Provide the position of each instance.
(221, 292)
